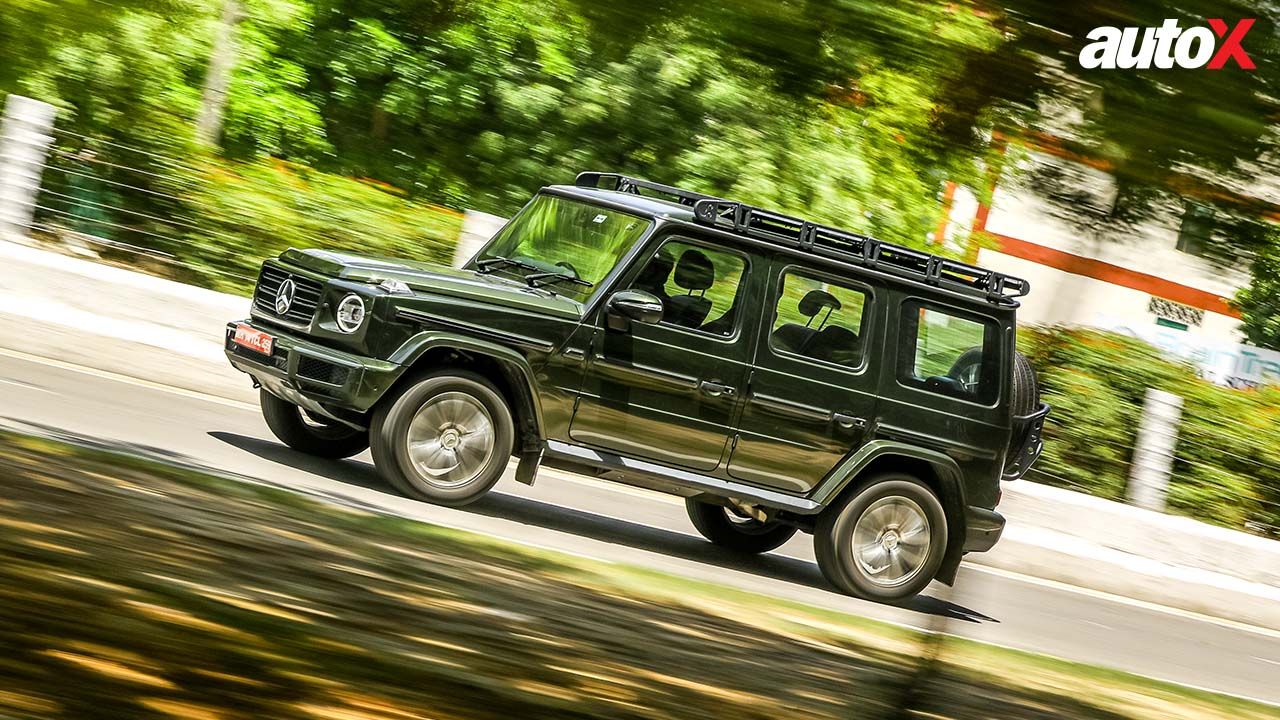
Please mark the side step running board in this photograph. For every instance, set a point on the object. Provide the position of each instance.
(691, 480)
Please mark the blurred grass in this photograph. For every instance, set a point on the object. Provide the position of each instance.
(130, 589)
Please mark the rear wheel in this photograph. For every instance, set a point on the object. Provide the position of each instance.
(446, 439)
(727, 528)
(308, 433)
(884, 542)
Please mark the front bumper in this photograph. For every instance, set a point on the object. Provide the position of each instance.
(317, 378)
(982, 529)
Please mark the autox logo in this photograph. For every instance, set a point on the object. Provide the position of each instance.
(1168, 46)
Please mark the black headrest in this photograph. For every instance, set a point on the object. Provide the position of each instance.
(695, 271)
(815, 300)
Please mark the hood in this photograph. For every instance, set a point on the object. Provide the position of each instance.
(433, 278)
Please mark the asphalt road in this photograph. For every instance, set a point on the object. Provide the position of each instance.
(584, 517)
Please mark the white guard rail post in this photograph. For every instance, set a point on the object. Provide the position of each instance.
(25, 136)
(1153, 450)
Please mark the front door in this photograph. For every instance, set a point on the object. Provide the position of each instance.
(812, 395)
(670, 392)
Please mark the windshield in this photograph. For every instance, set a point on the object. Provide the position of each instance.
(564, 245)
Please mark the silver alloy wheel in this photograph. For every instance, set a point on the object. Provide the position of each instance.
(891, 541)
(451, 440)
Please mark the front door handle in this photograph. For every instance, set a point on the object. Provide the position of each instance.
(715, 389)
(848, 422)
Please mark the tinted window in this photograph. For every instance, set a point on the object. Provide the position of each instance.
(697, 285)
(818, 319)
(949, 354)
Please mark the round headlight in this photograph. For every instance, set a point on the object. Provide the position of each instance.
(350, 313)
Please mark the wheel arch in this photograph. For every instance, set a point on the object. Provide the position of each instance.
(936, 470)
(504, 367)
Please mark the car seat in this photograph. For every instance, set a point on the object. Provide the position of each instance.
(694, 273)
(834, 343)
(794, 337)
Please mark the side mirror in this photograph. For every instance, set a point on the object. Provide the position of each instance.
(637, 305)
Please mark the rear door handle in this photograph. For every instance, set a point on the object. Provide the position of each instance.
(848, 422)
(715, 389)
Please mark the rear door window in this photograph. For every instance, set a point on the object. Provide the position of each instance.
(819, 320)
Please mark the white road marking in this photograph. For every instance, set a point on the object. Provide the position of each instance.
(27, 386)
(1268, 661)
(1122, 600)
(1019, 577)
(127, 380)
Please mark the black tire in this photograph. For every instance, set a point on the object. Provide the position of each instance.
(1026, 391)
(390, 436)
(834, 539)
(309, 433)
(743, 535)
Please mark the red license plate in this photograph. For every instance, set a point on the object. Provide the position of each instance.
(255, 340)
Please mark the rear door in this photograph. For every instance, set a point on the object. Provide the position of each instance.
(812, 393)
(944, 390)
(671, 391)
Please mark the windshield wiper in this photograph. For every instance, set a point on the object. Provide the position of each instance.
(550, 278)
(497, 262)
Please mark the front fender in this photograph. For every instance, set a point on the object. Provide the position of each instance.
(950, 488)
(519, 373)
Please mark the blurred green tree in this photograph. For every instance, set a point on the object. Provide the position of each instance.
(1259, 303)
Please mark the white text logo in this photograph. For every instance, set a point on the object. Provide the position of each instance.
(1167, 46)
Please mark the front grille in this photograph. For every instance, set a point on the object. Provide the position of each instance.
(306, 295)
(319, 370)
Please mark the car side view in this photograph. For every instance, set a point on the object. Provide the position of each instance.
(778, 374)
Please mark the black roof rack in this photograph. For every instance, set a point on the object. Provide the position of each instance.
(828, 241)
(622, 183)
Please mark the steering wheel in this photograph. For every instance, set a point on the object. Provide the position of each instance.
(568, 266)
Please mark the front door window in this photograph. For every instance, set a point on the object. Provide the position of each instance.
(698, 286)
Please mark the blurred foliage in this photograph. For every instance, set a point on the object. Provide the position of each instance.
(1227, 466)
(1259, 304)
(223, 218)
(850, 111)
(244, 212)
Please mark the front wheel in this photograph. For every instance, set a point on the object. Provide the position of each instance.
(729, 529)
(309, 433)
(884, 542)
(446, 439)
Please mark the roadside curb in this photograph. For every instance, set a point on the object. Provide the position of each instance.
(1223, 596)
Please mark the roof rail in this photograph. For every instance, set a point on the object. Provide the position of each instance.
(824, 240)
(864, 250)
(622, 183)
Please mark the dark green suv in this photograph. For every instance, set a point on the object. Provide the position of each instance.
(778, 374)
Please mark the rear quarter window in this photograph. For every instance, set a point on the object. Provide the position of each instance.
(949, 352)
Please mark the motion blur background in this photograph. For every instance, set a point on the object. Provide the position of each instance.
(192, 138)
